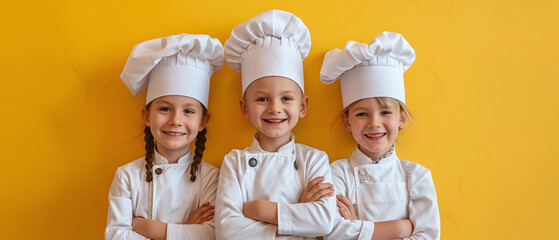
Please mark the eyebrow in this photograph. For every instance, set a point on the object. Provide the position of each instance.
(182, 105)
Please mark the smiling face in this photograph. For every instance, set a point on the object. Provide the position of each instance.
(274, 105)
(373, 126)
(174, 122)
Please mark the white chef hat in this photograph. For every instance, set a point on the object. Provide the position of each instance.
(175, 65)
(274, 43)
(375, 70)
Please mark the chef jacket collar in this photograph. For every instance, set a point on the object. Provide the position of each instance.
(287, 148)
(361, 158)
(159, 160)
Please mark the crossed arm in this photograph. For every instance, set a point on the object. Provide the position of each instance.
(383, 230)
(156, 230)
(266, 211)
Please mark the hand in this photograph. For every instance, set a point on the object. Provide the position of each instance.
(203, 214)
(149, 228)
(316, 190)
(346, 208)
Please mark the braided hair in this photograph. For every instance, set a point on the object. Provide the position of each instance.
(198, 153)
(149, 153)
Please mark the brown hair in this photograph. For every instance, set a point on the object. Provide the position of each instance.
(198, 151)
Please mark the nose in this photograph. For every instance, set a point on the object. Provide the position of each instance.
(175, 119)
(374, 122)
(274, 107)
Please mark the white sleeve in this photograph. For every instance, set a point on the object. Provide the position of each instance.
(208, 188)
(423, 207)
(313, 218)
(119, 218)
(347, 229)
(230, 222)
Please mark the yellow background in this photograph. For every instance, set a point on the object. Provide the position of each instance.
(483, 90)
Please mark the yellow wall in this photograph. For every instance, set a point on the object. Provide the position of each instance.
(483, 90)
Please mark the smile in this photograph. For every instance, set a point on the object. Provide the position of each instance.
(174, 133)
(377, 135)
(275, 120)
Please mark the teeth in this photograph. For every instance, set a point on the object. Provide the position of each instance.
(374, 135)
(174, 134)
(274, 121)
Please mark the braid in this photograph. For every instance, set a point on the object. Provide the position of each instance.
(149, 153)
(198, 153)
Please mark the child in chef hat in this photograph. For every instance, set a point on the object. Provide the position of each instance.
(275, 186)
(380, 186)
(167, 194)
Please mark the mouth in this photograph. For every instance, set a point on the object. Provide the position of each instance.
(374, 136)
(275, 120)
(174, 134)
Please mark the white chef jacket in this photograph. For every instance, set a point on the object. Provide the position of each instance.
(391, 189)
(171, 198)
(282, 176)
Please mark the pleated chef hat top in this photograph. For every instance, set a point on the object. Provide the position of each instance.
(375, 70)
(175, 65)
(273, 43)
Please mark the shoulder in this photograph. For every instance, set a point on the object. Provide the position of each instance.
(208, 169)
(233, 156)
(419, 178)
(415, 168)
(340, 166)
(132, 168)
(310, 152)
(127, 178)
(340, 163)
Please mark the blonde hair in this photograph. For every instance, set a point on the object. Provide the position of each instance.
(385, 102)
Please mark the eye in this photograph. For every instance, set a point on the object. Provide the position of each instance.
(286, 99)
(386, 112)
(188, 111)
(361, 114)
(164, 109)
(261, 99)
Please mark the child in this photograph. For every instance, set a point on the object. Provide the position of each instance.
(265, 190)
(167, 194)
(373, 180)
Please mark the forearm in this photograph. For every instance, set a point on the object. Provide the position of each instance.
(392, 229)
(150, 228)
(261, 210)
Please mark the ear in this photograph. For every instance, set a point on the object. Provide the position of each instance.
(346, 122)
(403, 121)
(204, 122)
(145, 116)
(244, 109)
(304, 106)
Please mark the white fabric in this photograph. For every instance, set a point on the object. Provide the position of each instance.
(273, 43)
(390, 190)
(174, 65)
(274, 178)
(375, 70)
(171, 198)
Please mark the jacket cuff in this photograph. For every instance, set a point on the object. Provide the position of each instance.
(367, 230)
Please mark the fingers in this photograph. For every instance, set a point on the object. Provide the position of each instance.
(203, 214)
(327, 190)
(316, 190)
(343, 210)
(314, 182)
(207, 219)
(344, 201)
(206, 216)
(347, 206)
